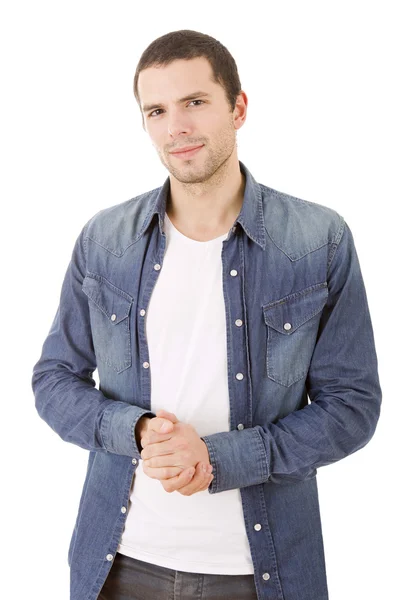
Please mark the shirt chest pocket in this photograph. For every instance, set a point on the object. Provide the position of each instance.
(292, 327)
(109, 309)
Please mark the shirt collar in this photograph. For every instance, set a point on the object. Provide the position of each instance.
(251, 216)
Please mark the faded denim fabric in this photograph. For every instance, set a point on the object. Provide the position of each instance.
(291, 275)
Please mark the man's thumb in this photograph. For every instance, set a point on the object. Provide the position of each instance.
(167, 415)
(166, 427)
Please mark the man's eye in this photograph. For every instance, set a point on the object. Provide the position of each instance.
(157, 109)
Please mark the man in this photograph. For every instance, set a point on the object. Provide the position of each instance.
(213, 307)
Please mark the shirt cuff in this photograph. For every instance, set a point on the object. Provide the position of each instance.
(239, 459)
(118, 428)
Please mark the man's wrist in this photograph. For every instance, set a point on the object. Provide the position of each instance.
(140, 426)
(206, 452)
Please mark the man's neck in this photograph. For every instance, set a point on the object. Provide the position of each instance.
(206, 212)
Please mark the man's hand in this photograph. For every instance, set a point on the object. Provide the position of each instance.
(175, 456)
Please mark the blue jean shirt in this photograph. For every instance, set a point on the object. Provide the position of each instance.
(298, 328)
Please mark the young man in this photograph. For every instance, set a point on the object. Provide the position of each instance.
(213, 308)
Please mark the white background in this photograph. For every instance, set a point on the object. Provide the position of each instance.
(322, 124)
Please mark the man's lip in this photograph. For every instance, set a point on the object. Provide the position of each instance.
(186, 149)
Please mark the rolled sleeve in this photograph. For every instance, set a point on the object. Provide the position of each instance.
(118, 428)
(238, 459)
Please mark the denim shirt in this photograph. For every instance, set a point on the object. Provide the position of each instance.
(298, 327)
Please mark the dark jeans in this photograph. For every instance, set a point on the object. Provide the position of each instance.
(132, 579)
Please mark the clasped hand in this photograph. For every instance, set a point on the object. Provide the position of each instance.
(176, 457)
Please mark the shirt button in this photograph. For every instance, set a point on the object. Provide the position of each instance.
(233, 272)
(109, 557)
(113, 317)
(257, 526)
(123, 509)
(287, 326)
(239, 376)
(240, 426)
(134, 461)
(238, 322)
(266, 576)
(146, 365)
(157, 267)
(142, 312)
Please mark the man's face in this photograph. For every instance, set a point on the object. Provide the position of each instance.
(173, 123)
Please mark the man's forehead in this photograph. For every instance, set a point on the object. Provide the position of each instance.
(190, 80)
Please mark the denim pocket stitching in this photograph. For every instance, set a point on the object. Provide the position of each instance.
(107, 299)
(283, 310)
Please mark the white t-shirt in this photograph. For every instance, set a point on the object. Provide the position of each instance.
(186, 334)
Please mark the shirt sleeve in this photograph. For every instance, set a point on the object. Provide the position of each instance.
(62, 383)
(342, 384)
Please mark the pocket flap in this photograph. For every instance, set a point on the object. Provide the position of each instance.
(107, 297)
(290, 312)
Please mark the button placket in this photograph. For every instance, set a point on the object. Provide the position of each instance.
(238, 323)
(156, 267)
(240, 377)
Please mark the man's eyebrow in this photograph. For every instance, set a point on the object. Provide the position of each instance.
(192, 96)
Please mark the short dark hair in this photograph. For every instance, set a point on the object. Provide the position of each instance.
(187, 44)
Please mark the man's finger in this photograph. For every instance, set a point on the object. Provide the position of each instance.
(182, 479)
(152, 437)
(200, 481)
(186, 484)
(162, 473)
